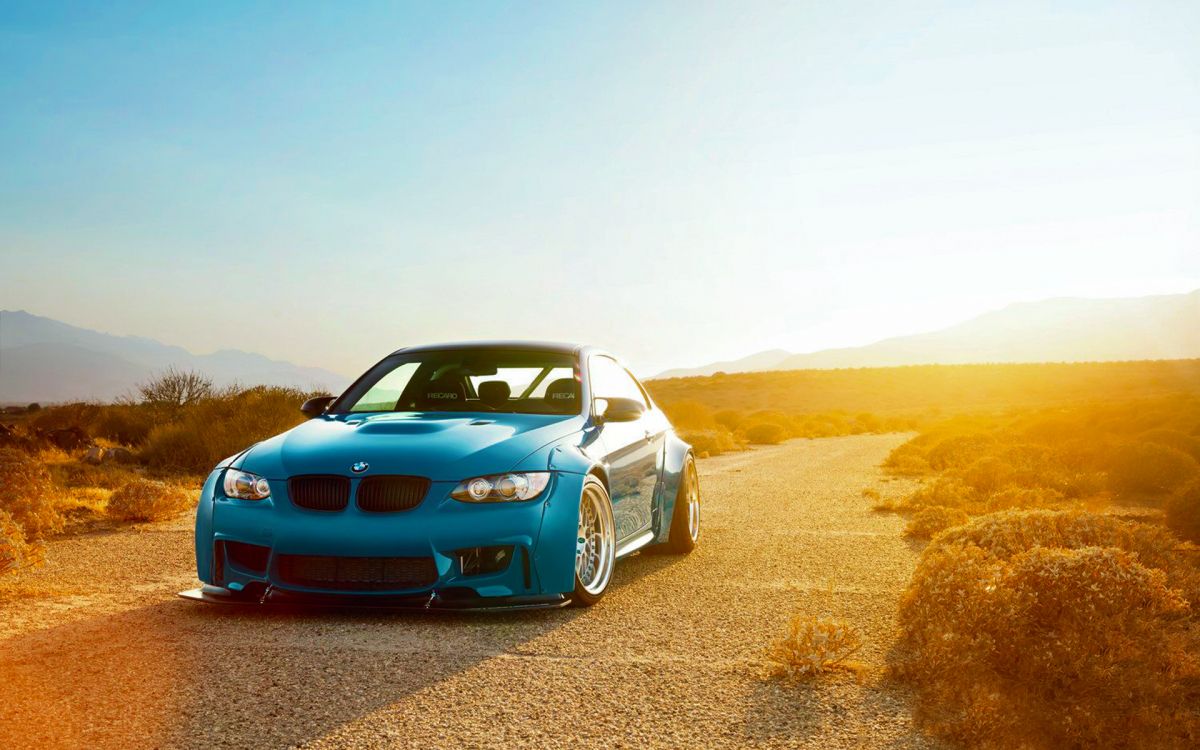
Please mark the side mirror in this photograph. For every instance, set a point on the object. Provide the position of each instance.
(315, 407)
(622, 410)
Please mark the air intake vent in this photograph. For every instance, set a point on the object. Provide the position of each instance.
(317, 492)
(357, 573)
(391, 494)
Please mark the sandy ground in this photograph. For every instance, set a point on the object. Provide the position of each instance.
(672, 657)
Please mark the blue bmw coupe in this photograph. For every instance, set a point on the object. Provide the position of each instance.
(500, 474)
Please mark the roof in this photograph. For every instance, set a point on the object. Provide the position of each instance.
(533, 346)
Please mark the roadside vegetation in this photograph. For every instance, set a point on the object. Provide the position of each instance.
(76, 467)
(729, 412)
(1058, 603)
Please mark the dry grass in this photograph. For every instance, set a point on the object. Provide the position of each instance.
(812, 647)
(1054, 629)
(16, 551)
(931, 519)
(148, 500)
(28, 495)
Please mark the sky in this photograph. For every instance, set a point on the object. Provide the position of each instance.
(680, 182)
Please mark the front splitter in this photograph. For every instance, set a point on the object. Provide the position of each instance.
(425, 602)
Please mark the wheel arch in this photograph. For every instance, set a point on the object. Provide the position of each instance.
(675, 458)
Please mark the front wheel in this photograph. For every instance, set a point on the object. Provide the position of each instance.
(685, 519)
(595, 544)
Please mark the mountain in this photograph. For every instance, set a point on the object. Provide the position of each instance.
(47, 361)
(768, 360)
(1066, 329)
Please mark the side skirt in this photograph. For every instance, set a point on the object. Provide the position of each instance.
(636, 543)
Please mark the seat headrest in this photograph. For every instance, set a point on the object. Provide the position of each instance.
(494, 393)
(444, 392)
(563, 395)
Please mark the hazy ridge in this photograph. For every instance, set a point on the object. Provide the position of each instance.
(1065, 329)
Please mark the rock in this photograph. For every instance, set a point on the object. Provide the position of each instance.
(94, 455)
(118, 455)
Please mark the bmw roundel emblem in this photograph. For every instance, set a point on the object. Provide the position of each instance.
(360, 467)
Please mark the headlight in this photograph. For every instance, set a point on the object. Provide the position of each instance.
(499, 488)
(246, 486)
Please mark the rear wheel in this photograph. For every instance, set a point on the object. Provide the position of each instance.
(595, 544)
(685, 519)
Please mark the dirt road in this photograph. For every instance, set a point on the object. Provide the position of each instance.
(672, 657)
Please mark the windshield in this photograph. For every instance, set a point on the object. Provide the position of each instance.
(474, 380)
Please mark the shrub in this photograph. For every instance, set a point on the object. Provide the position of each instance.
(690, 415)
(15, 551)
(28, 495)
(148, 500)
(959, 450)
(730, 419)
(1183, 512)
(124, 423)
(711, 442)
(813, 646)
(931, 519)
(220, 426)
(1052, 629)
(1173, 438)
(1150, 468)
(765, 433)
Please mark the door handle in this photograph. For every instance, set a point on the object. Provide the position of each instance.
(650, 436)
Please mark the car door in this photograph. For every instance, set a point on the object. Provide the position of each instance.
(631, 449)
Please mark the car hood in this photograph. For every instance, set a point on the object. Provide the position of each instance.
(440, 446)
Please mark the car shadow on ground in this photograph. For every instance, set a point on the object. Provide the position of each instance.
(180, 673)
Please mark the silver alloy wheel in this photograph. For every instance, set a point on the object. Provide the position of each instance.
(693, 501)
(595, 545)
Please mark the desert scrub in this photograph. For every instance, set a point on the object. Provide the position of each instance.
(711, 442)
(1040, 629)
(1151, 469)
(934, 518)
(220, 425)
(28, 495)
(1183, 512)
(15, 550)
(765, 433)
(148, 500)
(813, 646)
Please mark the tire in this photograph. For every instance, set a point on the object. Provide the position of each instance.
(685, 519)
(595, 557)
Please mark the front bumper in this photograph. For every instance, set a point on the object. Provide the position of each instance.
(540, 533)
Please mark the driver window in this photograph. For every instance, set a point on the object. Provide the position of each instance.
(610, 380)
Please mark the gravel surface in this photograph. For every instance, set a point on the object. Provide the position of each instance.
(672, 657)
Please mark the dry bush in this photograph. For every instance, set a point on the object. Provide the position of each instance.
(174, 390)
(690, 415)
(1189, 444)
(15, 551)
(220, 426)
(1151, 469)
(931, 519)
(125, 424)
(148, 500)
(28, 495)
(711, 442)
(765, 433)
(730, 419)
(1183, 512)
(1053, 629)
(813, 646)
